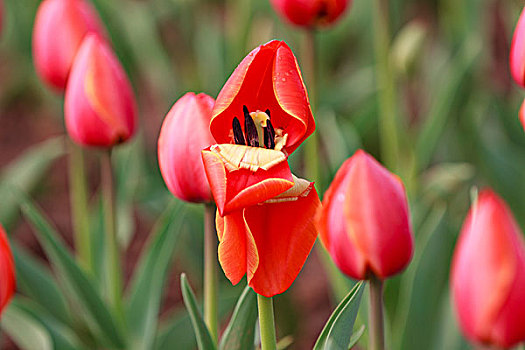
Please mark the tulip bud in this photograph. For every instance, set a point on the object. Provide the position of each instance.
(364, 222)
(522, 114)
(311, 13)
(488, 275)
(7, 271)
(517, 52)
(59, 28)
(99, 103)
(184, 133)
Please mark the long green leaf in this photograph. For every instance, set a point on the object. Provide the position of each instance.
(27, 333)
(240, 333)
(85, 291)
(148, 281)
(338, 330)
(36, 281)
(25, 172)
(202, 334)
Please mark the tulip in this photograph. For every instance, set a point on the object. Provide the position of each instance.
(268, 79)
(7, 271)
(488, 275)
(59, 29)
(364, 222)
(99, 103)
(522, 114)
(184, 133)
(311, 13)
(517, 52)
(269, 242)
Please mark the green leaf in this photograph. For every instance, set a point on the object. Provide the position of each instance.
(338, 330)
(356, 336)
(74, 276)
(24, 174)
(202, 334)
(240, 333)
(27, 333)
(36, 281)
(149, 278)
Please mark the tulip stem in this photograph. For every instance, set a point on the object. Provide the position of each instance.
(266, 323)
(388, 124)
(210, 270)
(375, 317)
(79, 206)
(114, 270)
(310, 73)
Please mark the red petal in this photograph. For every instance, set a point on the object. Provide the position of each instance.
(237, 248)
(237, 189)
(284, 234)
(268, 78)
(7, 271)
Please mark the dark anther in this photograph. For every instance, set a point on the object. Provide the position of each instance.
(250, 130)
(237, 132)
(269, 134)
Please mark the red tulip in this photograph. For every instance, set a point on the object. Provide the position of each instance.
(522, 114)
(488, 275)
(60, 26)
(268, 79)
(99, 103)
(311, 13)
(269, 242)
(7, 271)
(185, 132)
(364, 222)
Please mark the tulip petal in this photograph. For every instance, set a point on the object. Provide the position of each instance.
(284, 234)
(376, 211)
(517, 52)
(7, 271)
(333, 229)
(268, 78)
(235, 188)
(237, 249)
(488, 274)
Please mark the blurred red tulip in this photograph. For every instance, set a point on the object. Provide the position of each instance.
(7, 271)
(268, 79)
(488, 275)
(59, 28)
(517, 52)
(185, 132)
(522, 114)
(364, 222)
(99, 104)
(311, 13)
(270, 242)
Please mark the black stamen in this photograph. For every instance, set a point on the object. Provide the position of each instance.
(250, 130)
(268, 113)
(269, 134)
(237, 132)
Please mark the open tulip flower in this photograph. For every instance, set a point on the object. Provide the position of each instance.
(99, 104)
(185, 132)
(265, 227)
(488, 275)
(517, 52)
(59, 29)
(7, 271)
(311, 13)
(364, 222)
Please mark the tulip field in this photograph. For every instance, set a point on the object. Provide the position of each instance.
(262, 174)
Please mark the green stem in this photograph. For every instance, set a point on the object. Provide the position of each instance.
(388, 124)
(114, 270)
(79, 206)
(309, 61)
(375, 317)
(210, 270)
(266, 323)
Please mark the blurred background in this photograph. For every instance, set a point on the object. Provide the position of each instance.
(459, 122)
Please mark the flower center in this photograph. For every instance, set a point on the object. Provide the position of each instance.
(258, 129)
